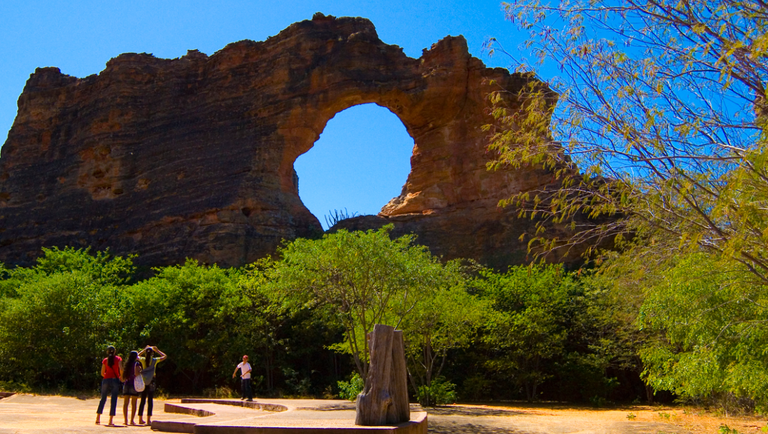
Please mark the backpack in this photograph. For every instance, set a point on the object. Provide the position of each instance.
(138, 383)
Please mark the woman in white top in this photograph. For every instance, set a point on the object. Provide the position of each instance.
(245, 376)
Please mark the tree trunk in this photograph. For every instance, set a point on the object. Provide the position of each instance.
(384, 401)
(269, 359)
(649, 394)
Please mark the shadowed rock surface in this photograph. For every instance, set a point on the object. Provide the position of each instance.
(193, 157)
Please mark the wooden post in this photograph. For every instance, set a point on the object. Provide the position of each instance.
(384, 401)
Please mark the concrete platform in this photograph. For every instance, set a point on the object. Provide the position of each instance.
(209, 416)
(46, 414)
(41, 414)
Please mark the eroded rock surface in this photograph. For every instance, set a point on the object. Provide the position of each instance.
(193, 157)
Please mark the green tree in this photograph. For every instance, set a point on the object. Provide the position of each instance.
(361, 278)
(197, 315)
(101, 267)
(445, 320)
(290, 340)
(267, 318)
(715, 331)
(57, 317)
(604, 338)
(527, 327)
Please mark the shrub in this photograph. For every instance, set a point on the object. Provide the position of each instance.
(350, 389)
(440, 392)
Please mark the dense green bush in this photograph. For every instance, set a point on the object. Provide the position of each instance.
(715, 333)
(58, 316)
(528, 328)
(494, 334)
(550, 335)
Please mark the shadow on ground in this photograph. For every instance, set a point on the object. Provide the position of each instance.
(471, 411)
(468, 428)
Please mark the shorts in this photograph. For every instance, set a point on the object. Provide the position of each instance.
(129, 390)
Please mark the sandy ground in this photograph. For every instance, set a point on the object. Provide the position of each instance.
(461, 419)
(34, 414)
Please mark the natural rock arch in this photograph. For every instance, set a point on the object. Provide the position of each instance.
(193, 157)
(360, 162)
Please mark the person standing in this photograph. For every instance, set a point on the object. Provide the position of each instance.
(110, 383)
(245, 377)
(130, 371)
(148, 363)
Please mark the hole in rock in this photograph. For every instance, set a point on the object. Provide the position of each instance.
(360, 162)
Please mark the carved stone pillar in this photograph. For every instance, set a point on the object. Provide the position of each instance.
(384, 400)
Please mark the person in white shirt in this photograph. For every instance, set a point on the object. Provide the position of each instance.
(245, 376)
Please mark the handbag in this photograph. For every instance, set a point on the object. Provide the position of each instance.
(138, 383)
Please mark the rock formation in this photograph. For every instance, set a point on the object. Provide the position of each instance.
(193, 157)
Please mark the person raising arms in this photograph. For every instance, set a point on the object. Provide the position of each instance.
(148, 363)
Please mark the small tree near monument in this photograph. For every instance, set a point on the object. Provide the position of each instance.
(361, 278)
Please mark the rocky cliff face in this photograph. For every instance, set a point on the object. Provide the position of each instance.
(193, 157)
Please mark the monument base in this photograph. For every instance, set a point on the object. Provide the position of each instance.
(220, 416)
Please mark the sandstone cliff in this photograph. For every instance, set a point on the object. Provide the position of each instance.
(193, 157)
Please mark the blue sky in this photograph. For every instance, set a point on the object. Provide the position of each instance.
(361, 160)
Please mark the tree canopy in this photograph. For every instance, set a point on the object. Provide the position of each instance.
(715, 328)
(527, 326)
(364, 278)
(57, 312)
(659, 125)
(662, 107)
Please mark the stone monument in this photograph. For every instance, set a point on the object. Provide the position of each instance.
(384, 400)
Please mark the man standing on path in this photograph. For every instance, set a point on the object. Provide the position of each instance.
(245, 375)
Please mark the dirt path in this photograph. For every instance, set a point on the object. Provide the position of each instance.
(34, 414)
(465, 419)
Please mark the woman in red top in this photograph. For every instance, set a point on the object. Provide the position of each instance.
(110, 374)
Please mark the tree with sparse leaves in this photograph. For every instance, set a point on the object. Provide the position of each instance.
(660, 123)
(662, 107)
